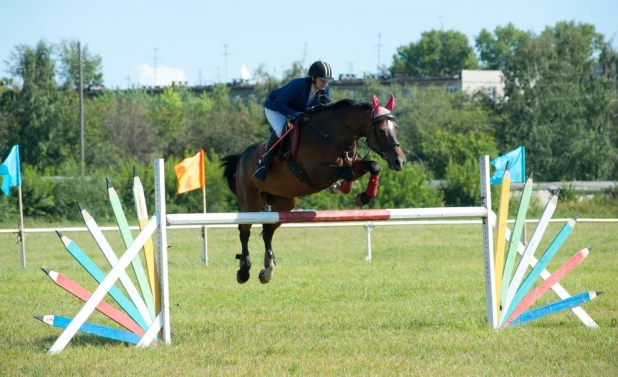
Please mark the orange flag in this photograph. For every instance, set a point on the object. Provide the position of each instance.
(190, 173)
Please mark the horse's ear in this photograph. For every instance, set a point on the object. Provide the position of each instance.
(391, 103)
(376, 104)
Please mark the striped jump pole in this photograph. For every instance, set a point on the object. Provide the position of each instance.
(143, 319)
(511, 290)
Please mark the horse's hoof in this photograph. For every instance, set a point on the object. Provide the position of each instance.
(265, 276)
(244, 264)
(361, 199)
(242, 276)
(335, 188)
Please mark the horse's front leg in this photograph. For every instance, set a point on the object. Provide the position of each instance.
(361, 167)
(244, 264)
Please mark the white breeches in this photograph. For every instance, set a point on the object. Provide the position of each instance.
(277, 120)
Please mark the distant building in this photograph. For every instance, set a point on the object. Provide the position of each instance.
(469, 81)
(491, 82)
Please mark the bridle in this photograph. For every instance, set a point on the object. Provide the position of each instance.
(381, 151)
(376, 120)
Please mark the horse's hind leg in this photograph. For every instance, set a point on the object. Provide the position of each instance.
(278, 204)
(244, 263)
(269, 256)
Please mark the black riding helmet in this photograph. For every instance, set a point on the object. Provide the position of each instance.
(321, 70)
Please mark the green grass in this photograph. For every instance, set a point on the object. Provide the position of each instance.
(417, 309)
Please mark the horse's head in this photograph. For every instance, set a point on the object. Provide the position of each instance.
(382, 138)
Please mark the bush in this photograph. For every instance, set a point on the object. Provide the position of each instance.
(405, 189)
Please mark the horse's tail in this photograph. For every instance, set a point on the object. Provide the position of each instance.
(229, 164)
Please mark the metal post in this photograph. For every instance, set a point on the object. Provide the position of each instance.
(488, 248)
(81, 105)
(368, 229)
(22, 235)
(204, 232)
(159, 183)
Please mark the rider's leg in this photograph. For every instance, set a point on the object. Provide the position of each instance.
(277, 122)
(263, 163)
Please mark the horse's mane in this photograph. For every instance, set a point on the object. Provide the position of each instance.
(341, 104)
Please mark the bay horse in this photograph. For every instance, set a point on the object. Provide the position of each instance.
(326, 154)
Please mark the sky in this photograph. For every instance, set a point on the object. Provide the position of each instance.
(207, 42)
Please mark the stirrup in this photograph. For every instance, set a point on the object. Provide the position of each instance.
(260, 173)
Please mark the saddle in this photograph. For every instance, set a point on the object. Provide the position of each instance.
(286, 147)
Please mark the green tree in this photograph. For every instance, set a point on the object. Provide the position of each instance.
(556, 104)
(265, 83)
(436, 126)
(498, 50)
(168, 115)
(437, 53)
(68, 65)
(33, 113)
(294, 72)
(7, 94)
(119, 125)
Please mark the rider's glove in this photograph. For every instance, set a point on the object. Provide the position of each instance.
(301, 118)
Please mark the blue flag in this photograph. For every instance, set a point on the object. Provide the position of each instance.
(9, 170)
(517, 166)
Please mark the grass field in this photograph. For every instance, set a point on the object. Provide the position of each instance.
(417, 309)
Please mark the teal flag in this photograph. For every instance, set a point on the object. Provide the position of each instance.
(9, 170)
(517, 166)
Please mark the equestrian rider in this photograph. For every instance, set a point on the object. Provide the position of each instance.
(289, 103)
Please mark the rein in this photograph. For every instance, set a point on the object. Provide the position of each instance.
(332, 142)
(374, 120)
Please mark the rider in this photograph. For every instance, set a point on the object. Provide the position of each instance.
(289, 103)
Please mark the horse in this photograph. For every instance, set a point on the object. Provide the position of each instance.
(325, 157)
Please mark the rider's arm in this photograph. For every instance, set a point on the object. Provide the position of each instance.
(287, 94)
(324, 96)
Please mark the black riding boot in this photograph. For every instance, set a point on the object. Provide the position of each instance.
(263, 163)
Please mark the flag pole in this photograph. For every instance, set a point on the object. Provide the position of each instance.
(204, 234)
(22, 235)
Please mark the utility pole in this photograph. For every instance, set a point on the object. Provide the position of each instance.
(379, 45)
(304, 55)
(81, 104)
(155, 66)
(225, 54)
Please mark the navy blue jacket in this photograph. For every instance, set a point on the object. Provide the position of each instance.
(292, 98)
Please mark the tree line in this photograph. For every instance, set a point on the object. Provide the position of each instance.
(560, 102)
